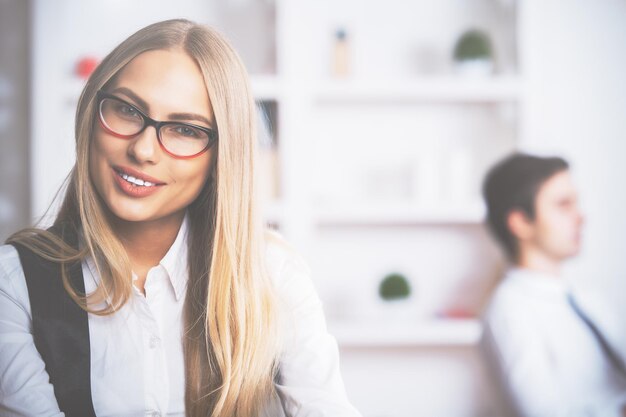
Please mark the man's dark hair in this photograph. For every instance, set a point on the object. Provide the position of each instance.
(513, 184)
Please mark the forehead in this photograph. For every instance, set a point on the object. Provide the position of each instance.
(560, 185)
(168, 81)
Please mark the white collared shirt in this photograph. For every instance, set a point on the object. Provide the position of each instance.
(136, 354)
(549, 358)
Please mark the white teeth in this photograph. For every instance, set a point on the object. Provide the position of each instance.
(136, 181)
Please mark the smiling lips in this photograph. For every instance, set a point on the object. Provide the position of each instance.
(134, 183)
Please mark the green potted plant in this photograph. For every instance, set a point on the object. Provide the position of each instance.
(394, 286)
(394, 292)
(473, 53)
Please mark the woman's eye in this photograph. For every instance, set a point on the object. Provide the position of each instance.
(127, 110)
(187, 131)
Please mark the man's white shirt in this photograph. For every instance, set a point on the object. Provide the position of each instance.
(549, 358)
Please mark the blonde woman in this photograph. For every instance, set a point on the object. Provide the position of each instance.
(157, 292)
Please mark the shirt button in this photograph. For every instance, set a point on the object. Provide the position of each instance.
(154, 342)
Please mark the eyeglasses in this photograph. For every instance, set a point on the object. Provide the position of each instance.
(125, 121)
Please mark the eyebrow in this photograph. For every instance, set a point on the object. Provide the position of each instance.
(189, 116)
(172, 116)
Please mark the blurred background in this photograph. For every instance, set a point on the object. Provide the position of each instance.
(383, 118)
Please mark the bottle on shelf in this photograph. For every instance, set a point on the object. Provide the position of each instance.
(341, 58)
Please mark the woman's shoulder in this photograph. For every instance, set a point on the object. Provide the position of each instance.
(279, 255)
(12, 282)
(288, 270)
(9, 262)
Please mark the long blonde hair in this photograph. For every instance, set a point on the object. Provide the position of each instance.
(231, 335)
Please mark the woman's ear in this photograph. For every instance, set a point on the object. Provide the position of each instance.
(520, 225)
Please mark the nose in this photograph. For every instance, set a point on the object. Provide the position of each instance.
(144, 148)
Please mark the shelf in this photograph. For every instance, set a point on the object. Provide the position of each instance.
(435, 89)
(435, 332)
(265, 87)
(399, 214)
(448, 89)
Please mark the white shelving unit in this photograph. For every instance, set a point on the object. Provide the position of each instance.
(431, 333)
(398, 214)
(330, 129)
(266, 87)
(449, 89)
(312, 104)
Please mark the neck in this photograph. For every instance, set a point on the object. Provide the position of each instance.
(146, 243)
(537, 260)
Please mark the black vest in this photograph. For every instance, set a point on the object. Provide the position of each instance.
(60, 330)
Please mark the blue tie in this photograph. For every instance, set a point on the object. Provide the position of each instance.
(613, 357)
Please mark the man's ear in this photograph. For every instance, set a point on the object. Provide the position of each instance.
(520, 225)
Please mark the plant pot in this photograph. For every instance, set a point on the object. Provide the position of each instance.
(474, 67)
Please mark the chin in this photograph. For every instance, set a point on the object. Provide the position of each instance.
(122, 210)
(129, 215)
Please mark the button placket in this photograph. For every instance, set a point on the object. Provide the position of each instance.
(154, 342)
(156, 381)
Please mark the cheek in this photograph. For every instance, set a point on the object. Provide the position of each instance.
(102, 152)
(550, 226)
(100, 148)
(566, 221)
(95, 161)
(560, 227)
(191, 175)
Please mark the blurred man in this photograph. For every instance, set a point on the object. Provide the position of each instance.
(552, 357)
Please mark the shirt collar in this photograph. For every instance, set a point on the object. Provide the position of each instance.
(540, 282)
(175, 260)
